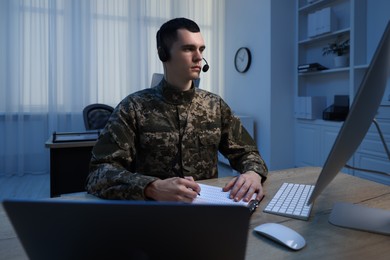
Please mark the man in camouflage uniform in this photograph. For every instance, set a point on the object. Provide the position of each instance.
(158, 141)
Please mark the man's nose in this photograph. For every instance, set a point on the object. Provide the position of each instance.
(198, 56)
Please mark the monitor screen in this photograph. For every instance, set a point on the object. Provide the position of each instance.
(360, 117)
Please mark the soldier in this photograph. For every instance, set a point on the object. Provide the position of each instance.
(160, 140)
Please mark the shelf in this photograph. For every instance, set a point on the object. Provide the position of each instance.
(331, 71)
(316, 5)
(361, 67)
(322, 72)
(324, 36)
(320, 122)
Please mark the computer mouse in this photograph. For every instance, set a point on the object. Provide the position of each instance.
(282, 234)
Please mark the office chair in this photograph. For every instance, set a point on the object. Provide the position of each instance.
(96, 116)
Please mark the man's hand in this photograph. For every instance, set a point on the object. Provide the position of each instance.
(244, 186)
(173, 189)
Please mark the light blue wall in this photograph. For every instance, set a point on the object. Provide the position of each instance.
(378, 16)
(282, 87)
(265, 92)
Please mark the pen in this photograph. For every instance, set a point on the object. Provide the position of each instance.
(253, 204)
(195, 191)
(188, 178)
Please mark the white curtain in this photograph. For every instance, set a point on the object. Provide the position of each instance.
(57, 56)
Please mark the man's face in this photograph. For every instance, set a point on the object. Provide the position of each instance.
(185, 61)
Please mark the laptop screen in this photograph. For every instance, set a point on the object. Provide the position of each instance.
(55, 229)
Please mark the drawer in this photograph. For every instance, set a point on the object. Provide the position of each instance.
(383, 112)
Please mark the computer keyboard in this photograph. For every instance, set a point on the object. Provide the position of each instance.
(290, 201)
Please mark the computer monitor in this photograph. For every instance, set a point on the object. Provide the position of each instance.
(362, 112)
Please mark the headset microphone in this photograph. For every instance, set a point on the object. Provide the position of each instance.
(206, 66)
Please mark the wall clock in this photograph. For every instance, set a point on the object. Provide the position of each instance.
(242, 60)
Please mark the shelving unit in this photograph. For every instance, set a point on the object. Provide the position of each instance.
(334, 81)
(319, 85)
(314, 136)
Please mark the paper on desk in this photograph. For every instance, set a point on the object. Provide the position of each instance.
(214, 195)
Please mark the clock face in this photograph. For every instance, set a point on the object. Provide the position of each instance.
(242, 60)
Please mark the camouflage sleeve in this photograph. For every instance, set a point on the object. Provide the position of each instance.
(112, 168)
(238, 146)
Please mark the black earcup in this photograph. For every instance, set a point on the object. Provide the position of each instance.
(162, 54)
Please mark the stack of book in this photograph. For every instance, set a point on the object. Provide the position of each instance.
(310, 67)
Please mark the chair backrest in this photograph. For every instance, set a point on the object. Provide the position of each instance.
(96, 116)
(156, 78)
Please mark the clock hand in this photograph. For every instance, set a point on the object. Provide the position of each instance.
(242, 57)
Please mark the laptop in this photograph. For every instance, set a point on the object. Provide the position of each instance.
(59, 229)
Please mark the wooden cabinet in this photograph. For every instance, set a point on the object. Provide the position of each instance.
(69, 166)
(314, 141)
(371, 153)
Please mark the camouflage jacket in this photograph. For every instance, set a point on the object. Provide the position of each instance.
(161, 133)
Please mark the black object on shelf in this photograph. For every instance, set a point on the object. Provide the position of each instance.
(339, 110)
(335, 113)
(310, 67)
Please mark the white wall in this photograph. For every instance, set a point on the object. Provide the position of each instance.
(265, 92)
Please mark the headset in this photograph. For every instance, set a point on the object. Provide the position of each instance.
(163, 52)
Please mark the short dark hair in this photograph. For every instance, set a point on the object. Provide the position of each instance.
(167, 34)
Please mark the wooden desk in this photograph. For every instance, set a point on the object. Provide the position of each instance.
(69, 166)
(324, 241)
